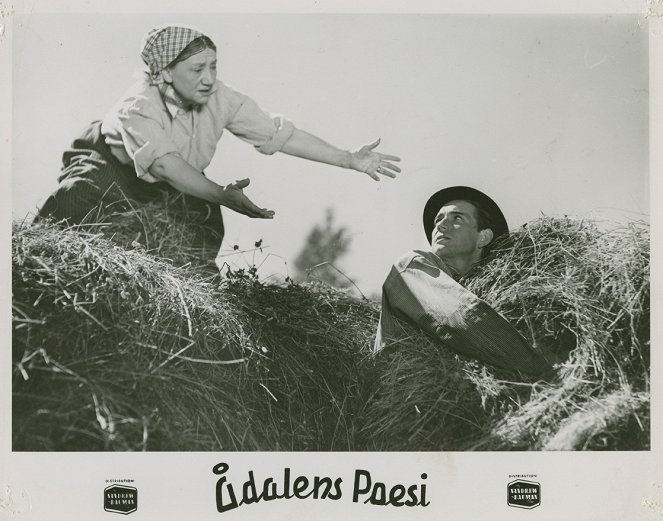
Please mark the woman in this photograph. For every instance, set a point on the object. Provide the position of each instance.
(163, 133)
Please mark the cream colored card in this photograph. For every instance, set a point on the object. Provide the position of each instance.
(551, 107)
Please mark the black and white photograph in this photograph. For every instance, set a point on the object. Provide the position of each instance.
(323, 260)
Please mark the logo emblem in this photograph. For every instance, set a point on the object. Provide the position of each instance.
(523, 494)
(120, 499)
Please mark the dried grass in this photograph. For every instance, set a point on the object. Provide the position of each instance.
(122, 342)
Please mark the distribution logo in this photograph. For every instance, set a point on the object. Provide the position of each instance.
(120, 499)
(523, 494)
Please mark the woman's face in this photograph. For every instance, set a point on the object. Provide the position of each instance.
(193, 79)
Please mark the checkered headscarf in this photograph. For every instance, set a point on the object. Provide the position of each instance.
(163, 44)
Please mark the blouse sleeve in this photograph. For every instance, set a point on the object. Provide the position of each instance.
(266, 132)
(144, 139)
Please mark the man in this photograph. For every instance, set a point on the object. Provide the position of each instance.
(422, 288)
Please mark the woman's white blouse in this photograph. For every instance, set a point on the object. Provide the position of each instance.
(147, 124)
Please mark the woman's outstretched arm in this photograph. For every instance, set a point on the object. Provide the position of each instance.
(364, 159)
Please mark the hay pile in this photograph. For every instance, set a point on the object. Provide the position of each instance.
(118, 349)
(119, 346)
(581, 296)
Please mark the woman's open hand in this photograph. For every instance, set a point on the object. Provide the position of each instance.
(365, 160)
(234, 198)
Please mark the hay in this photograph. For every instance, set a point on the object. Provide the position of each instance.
(118, 349)
(97, 366)
(581, 296)
(122, 342)
(599, 420)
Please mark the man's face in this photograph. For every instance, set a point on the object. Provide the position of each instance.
(456, 234)
(193, 79)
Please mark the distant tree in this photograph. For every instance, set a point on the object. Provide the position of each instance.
(323, 248)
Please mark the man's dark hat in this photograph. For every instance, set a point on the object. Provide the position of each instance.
(455, 193)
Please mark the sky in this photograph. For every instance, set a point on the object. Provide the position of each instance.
(548, 114)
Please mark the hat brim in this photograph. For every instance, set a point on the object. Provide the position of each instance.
(455, 193)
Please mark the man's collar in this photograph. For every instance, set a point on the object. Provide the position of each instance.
(446, 267)
(447, 262)
(455, 274)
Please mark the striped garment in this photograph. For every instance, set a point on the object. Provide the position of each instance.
(421, 290)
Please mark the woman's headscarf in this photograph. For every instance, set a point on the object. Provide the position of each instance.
(162, 45)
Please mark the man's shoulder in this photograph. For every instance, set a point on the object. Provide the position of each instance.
(413, 257)
(422, 260)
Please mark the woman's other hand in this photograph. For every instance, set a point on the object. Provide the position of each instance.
(365, 160)
(234, 198)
